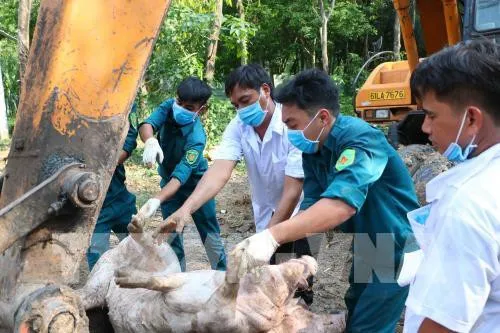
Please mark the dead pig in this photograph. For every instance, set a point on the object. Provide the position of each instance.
(156, 297)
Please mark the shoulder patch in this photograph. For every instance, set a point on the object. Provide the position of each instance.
(192, 156)
(346, 158)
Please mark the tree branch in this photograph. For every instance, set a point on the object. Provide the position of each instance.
(315, 10)
(9, 36)
(332, 6)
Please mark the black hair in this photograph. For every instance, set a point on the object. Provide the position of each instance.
(251, 76)
(464, 74)
(193, 90)
(311, 90)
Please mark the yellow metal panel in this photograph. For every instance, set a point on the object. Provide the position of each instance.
(403, 10)
(452, 20)
(387, 86)
(433, 25)
(103, 33)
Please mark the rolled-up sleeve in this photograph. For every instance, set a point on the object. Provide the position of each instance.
(230, 147)
(293, 166)
(361, 163)
(193, 153)
(159, 115)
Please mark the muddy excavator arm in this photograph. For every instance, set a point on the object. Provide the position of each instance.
(86, 61)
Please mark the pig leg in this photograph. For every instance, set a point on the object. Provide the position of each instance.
(154, 257)
(93, 293)
(299, 319)
(136, 279)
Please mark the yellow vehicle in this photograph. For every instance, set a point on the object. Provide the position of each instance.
(385, 97)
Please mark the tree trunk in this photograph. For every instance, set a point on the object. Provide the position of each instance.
(325, 14)
(4, 128)
(413, 8)
(324, 43)
(143, 93)
(396, 46)
(244, 41)
(214, 41)
(366, 48)
(314, 54)
(23, 36)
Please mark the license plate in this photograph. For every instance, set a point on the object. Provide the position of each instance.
(387, 95)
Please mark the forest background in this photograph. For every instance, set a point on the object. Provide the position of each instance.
(210, 38)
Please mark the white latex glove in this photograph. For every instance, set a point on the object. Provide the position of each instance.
(152, 152)
(250, 253)
(149, 208)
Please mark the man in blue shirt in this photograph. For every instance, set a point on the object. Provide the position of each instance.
(353, 179)
(179, 150)
(119, 204)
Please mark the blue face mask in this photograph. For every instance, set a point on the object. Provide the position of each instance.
(183, 116)
(454, 152)
(299, 140)
(253, 115)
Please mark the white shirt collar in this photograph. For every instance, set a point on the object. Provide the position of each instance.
(460, 173)
(277, 124)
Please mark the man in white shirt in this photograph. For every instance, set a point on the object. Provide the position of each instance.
(457, 285)
(258, 135)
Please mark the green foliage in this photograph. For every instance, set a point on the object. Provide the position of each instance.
(282, 35)
(9, 62)
(235, 32)
(220, 113)
(180, 51)
(9, 59)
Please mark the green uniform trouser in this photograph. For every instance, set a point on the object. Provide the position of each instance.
(115, 217)
(374, 307)
(208, 227)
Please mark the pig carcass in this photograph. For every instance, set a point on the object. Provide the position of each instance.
(141, 284)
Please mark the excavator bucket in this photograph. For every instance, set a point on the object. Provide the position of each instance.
(86, 61)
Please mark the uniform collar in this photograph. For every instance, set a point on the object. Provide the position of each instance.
(337, 126)
(186, 129)
(459, 174)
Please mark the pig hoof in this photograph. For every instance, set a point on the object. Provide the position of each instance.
(135, 228)
(311, 263)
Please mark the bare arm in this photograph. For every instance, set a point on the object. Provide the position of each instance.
(168, 190)
(430, 326)
(210, 184)
(146, 132)
(324, 215)
(289, 199)
(123, 157)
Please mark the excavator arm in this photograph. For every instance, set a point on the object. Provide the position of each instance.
(85, 64)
